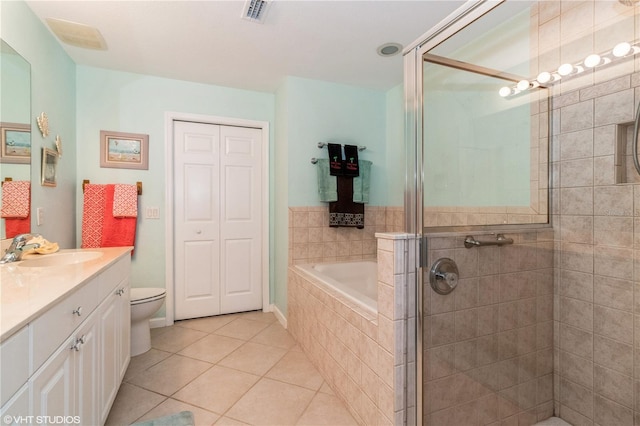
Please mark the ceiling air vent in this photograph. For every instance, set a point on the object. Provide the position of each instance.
(255, 10)
(77, 34)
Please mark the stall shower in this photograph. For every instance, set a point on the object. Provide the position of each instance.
(521, 121)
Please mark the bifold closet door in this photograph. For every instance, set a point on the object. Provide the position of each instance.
(217, 228)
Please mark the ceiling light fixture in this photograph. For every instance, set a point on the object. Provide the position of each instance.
(389, 49)
(566, 70)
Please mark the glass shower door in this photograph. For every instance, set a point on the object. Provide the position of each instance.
(523, 116)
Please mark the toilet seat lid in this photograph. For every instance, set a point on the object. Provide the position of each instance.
(146, 294)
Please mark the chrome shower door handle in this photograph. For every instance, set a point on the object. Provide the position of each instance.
(634, 142)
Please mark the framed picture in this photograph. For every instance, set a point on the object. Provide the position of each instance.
(49, 167)
(16, 143)
(124, 150)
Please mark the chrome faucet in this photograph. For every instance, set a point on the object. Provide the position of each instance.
(18, 247)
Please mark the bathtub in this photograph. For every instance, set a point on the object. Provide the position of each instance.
(355, 281)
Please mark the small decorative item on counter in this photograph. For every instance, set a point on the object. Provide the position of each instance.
(46, 247)
(43, 124)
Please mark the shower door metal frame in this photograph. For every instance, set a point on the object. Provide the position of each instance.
(414, 192)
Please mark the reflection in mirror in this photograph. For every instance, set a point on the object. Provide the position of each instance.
(15, 139)
(485, 150)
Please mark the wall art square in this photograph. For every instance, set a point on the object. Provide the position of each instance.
(124, 150)
(16, 143)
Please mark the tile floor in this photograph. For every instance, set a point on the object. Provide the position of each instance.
(228, 370)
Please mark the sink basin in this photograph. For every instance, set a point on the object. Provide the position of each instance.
(60, 259)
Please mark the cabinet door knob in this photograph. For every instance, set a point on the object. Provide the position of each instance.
(82, 339)
(78, 311)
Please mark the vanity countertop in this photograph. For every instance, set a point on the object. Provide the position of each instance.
(27, 292)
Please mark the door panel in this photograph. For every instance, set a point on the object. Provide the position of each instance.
(241, 224)
(196, 220)
(217, 220)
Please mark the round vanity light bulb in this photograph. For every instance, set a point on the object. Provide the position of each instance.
(523, 85)
(504, 91)
(621, 49)
(592, 60)
(544, 77)
(565, 69)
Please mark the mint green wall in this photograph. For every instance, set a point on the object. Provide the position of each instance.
(15, 88)
(395, 147)
(125, 102)
(311, 111)
(327, 112)
(53, 92)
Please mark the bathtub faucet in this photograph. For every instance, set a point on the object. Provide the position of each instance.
(18, 247)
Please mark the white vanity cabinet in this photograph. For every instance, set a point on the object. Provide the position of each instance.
(77, 352)
(115, 328)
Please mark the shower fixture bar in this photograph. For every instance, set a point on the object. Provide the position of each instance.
(470, 242)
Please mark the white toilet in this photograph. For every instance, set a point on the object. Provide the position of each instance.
(144, 303)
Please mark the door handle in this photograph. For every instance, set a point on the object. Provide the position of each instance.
(634, 142)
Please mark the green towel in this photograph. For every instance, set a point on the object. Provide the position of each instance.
(361, 184)
(327, 184)
(183, 418)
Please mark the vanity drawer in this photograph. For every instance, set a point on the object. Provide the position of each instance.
(55, 325)
(14, 364)
(113, 276)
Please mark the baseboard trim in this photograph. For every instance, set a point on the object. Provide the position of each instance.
(157, 322)
(279, 315)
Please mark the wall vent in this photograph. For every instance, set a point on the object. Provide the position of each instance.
(75, 34)
(255, 10)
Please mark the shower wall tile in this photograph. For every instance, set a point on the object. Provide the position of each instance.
(576, 173)
(576, 145)
(614, 355)
(614, 108)
(576, 201)
(577, 117)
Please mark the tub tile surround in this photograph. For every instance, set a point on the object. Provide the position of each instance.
(596, 218)
(311, 240)
(362, 356)
(488, 345)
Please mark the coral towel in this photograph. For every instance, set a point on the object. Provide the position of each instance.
(125, 200)
(93, 215)
(16, 207)
(15, 199)
(99, 226)
(117, 231)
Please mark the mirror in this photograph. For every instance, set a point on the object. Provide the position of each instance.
(15, 140)
(485, 136)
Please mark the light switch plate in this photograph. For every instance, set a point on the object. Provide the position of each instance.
(40, 216)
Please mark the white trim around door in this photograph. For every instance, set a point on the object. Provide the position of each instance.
(170, 117)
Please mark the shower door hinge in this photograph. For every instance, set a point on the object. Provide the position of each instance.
(422, 250)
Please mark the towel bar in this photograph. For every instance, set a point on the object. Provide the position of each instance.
(138, 185)
(470, 242)
(7, 179)
(321, 145)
